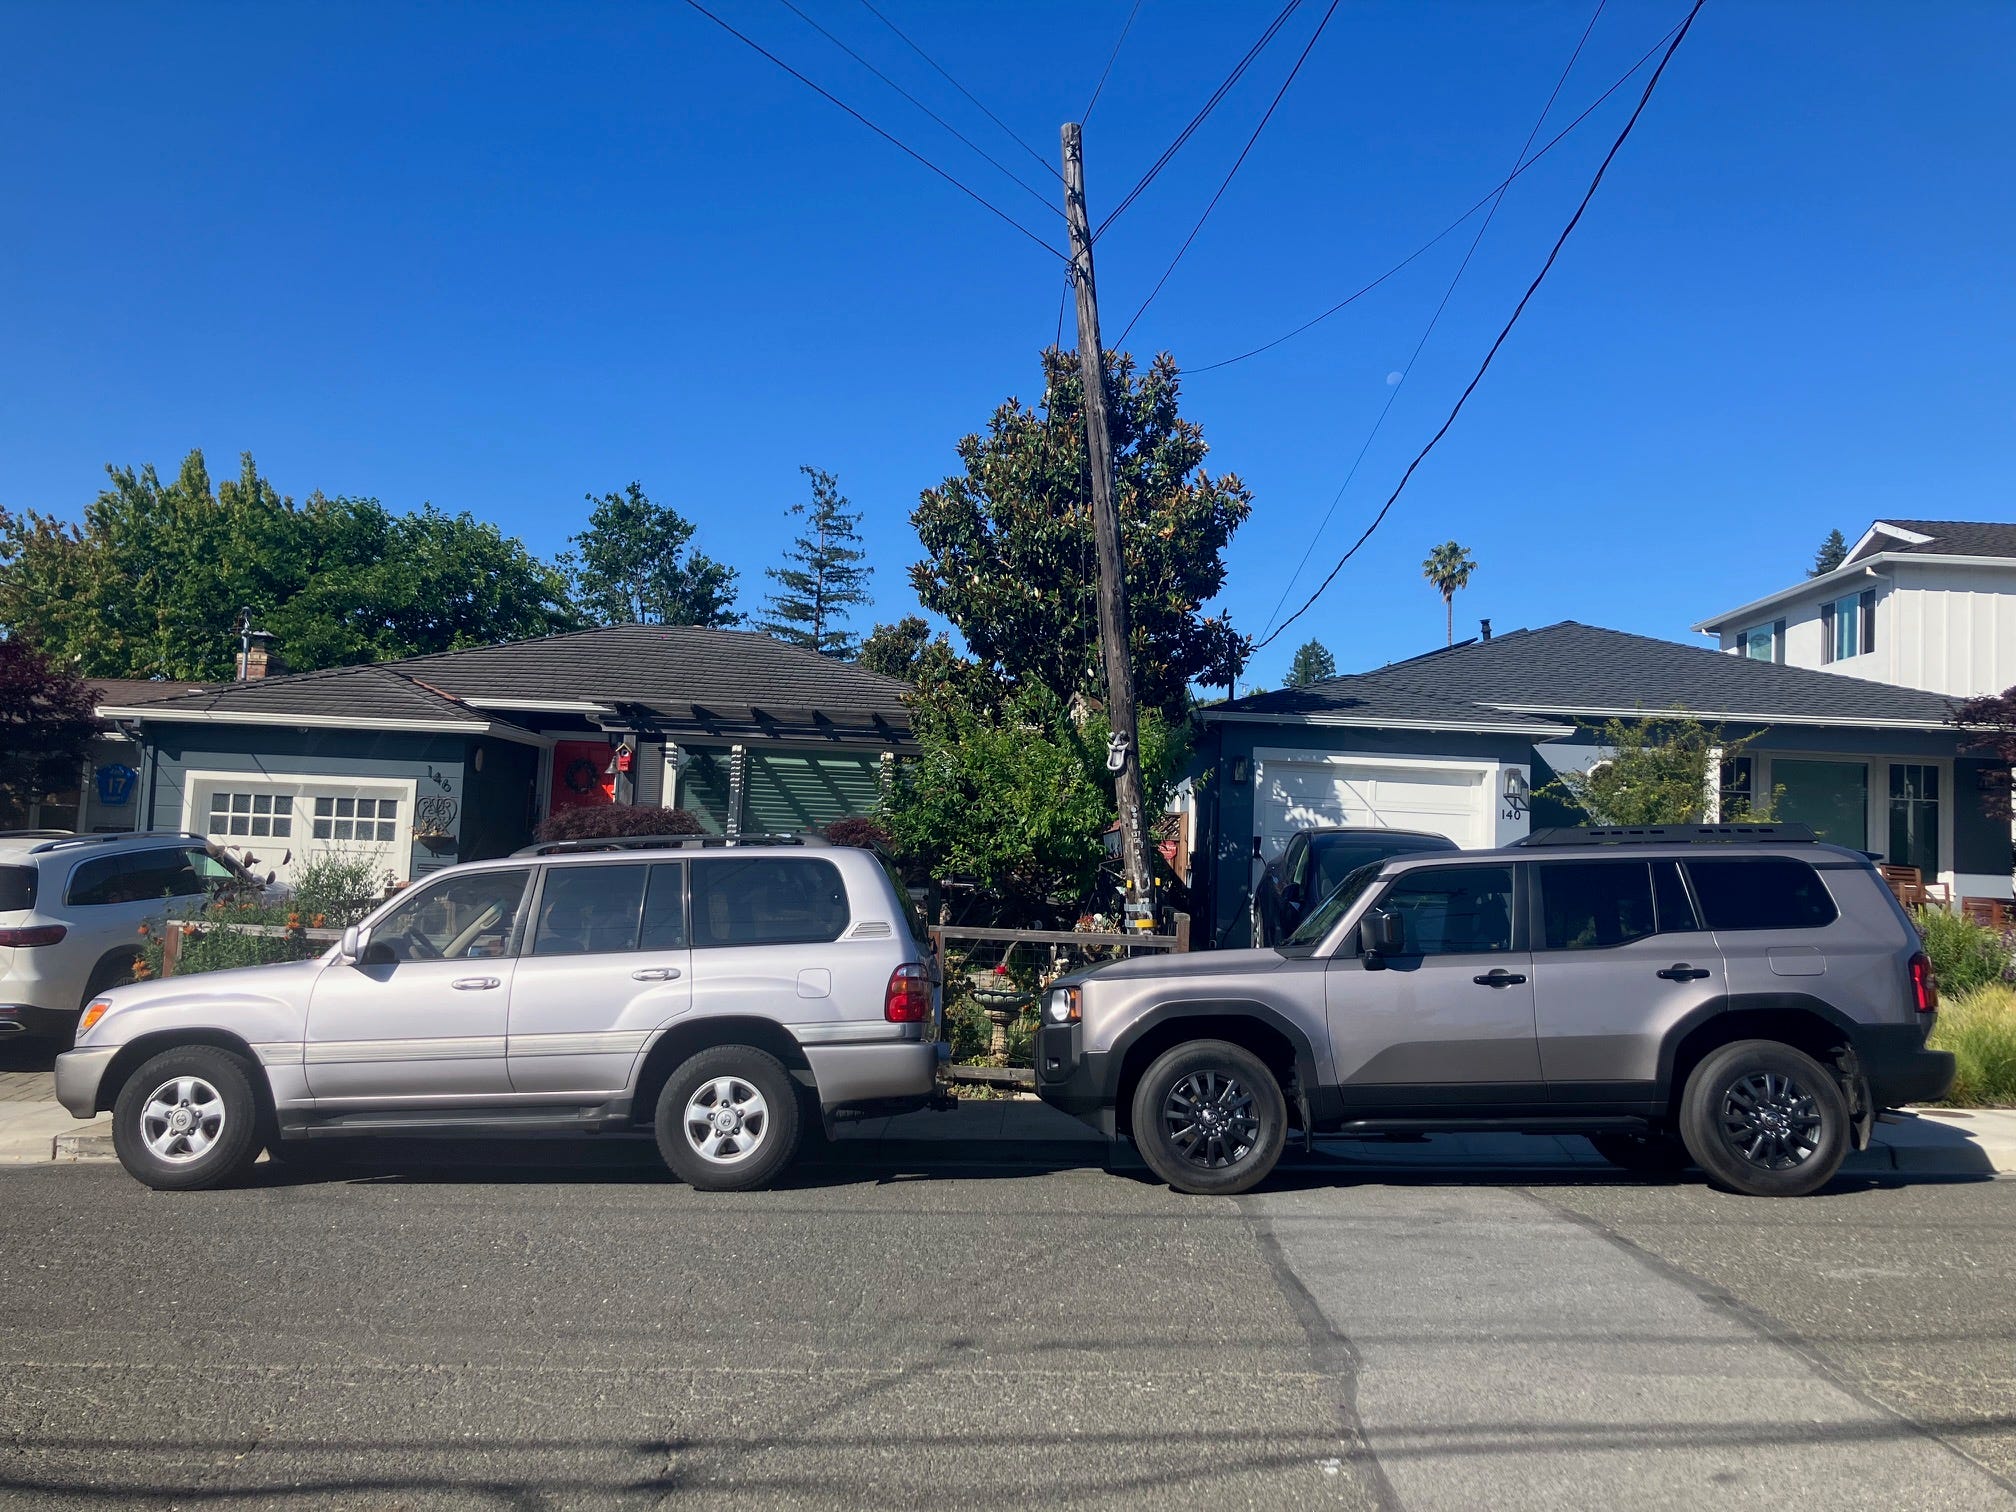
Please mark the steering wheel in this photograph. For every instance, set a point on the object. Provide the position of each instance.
(417, 947)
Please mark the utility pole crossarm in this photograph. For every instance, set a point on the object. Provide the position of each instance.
(1119, 669)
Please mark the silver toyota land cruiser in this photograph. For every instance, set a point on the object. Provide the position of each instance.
(1740, 998)
(722, 995)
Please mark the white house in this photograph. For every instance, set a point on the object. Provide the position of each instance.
(1925, 604)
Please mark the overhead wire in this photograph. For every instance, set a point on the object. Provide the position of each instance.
(1013, 134)
(886, 136)
(1651, 84)
(1097, 89)
(1027, 188)
(1237, 163)
(1393, 393)
(1429, 245)
(1183, 136)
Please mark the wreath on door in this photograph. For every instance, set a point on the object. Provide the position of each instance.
(581, 776)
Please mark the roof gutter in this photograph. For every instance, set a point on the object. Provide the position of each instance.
(1347, 721)
(1817, 721)
(1743, 616)
(497, 729)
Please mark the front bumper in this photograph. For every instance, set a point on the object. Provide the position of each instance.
(79, 1073)
(1074, 1080)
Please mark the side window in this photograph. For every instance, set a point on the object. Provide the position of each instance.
(135, 877)
(589, 910)
(665, 908)
(1453, 910)
(95, 881)
(470, 915)
(1767, 892)
(1676, 909)
(1594, 905)
(1296, 863)
(768, 900)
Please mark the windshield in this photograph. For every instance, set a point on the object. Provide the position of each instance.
(1340, 855)
(1309, 934)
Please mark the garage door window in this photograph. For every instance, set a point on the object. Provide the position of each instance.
(264, 814)
(372, 819)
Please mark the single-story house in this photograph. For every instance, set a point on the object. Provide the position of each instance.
(1465, 741)
(431, 760)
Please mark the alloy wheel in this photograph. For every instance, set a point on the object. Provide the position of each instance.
(1210, 1119)
(182, 1119)
(1771, 1121)
(726, 1120)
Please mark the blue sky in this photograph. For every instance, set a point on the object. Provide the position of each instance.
(497, 257)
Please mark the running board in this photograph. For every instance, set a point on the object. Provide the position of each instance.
(450, 1121)
(1622, 1124)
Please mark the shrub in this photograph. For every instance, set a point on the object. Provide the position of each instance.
(1979, 1027)
(864, 834)
(335, 891)
(1966, 956)
(612, 821)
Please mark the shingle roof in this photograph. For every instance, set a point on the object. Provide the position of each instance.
(123, 692)
(1570, 671)
(688, 677)
(1984, 538)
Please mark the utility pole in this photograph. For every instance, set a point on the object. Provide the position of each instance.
(1123, 756)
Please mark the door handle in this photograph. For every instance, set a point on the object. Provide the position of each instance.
(1684, 973)
(1498, 976)
(655, 974)
(476, 984)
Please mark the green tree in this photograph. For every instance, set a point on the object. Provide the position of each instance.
(1832, 553)
(1008, 542)
(152, 580)
(1449, 567)
(810, 608)
(1313, 662)
(633, 565)
(1656, 771)
(46, 725)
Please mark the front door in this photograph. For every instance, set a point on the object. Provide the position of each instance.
(1619, 959)
(1447, 1019)
(607, 966)
(423, 1015)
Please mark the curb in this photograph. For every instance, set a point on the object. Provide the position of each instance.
(90, 1144)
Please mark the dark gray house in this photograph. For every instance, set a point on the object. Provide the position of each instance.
(1459, 741)
(454, 757)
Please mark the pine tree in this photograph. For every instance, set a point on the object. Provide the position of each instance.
(1832, 553)
(810, 608)
(1312, 663)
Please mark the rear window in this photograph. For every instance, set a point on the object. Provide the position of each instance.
(1767, 892)
(17, 888)
(767, 900)
(136, 877)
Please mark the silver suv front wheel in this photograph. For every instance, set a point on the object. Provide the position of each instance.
(187, 1119)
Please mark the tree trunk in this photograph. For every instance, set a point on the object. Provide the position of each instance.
(1449, 603)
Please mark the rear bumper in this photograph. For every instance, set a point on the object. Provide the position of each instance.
(1900, 1068)
(874, 1073)
(19, 1020)
(79, 1073)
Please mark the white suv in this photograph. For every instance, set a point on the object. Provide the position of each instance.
(720, 994)
(71, 907)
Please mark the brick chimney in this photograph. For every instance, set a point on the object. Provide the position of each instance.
(257, 659)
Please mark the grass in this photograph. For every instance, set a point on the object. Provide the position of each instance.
(1979, 1027)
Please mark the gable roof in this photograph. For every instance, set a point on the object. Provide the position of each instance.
(1558, 674)
(1974, 538)
(683, 678)
(126, 691)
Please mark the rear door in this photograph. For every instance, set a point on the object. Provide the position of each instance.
(1447, 1019)
(1619, 959)
(1782, 933)
(763, 933)
(607, 965)
(109, 897)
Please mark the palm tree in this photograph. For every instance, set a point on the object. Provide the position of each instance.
(1449, 567)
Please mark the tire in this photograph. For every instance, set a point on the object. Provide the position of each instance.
(1215, 1078)
(1646, 1154)
(761, 1099)
(115, 972)
(187, 1119)
(1765, 1120)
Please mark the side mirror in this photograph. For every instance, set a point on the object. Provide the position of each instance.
(1379, 936)
(351, 951)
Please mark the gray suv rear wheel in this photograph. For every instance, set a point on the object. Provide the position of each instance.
(1764, 1119)
(1209, 1118)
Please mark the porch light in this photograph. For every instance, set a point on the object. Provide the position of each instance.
(1517, 788)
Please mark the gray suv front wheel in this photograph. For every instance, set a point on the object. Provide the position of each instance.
(1209, 1118)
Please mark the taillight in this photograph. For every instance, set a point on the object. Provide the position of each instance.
(1924, 987)
(33, 934)
(908, 1000)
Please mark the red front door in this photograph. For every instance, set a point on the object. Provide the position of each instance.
(581, 775)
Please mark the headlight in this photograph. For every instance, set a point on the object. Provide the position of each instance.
(1062, 1005)
(92, 1014)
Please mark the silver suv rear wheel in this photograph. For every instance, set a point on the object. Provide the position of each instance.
(727, 1119)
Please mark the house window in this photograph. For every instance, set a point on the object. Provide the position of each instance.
(372, 819)
(1848, 627)
(1738, 789)
(1914, 817)
(243, 814)
(1757, 644)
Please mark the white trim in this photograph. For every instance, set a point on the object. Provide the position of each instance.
(543, 705)
(299, 786)
(1884, 527)
(1346, 721)
(1864, 568)
(1816, 720)
(328, 722)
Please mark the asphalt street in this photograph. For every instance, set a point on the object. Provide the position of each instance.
(563, 1327)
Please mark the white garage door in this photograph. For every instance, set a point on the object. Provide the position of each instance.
(280, 821)
(1301, 794)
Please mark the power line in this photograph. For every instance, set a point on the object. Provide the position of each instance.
(1449, 293)
(1086, 114)
(902, 147)
(1435, 240)
(1651, 84)
(1034, 193)
(1236, 165)
(1197, 120)
(1051, 168)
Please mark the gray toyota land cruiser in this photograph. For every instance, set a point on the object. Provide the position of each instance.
(1737, 997)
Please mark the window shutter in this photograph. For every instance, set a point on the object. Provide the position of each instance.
(1868, 620)
(1826, 634)
(1778, 641)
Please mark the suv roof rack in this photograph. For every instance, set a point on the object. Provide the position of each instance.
(64, 839)
(1671, 834)
(661, 842)
(33, 834)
